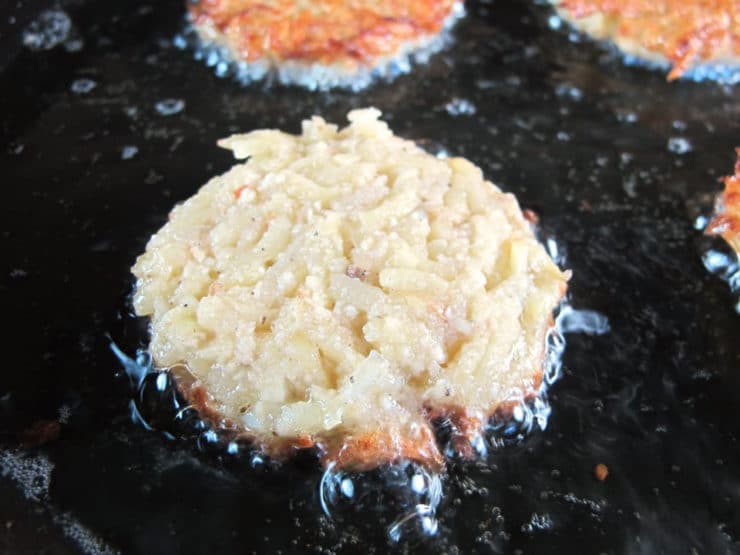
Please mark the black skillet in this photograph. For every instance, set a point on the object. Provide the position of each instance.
(578, 137)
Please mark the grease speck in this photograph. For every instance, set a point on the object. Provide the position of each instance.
(565, 90)
(537, 523)
(679, 145)
(460, 107)
(129, 151)
(82, 86)
(169, 106)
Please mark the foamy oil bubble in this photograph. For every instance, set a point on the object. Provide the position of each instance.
(50, 29)
(86, 540)
(538, 523)
(404, 497)
(32, 474)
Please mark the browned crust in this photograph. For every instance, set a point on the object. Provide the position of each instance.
(727, 222)
(372, 449)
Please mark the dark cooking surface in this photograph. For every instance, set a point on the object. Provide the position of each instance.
(579, 138)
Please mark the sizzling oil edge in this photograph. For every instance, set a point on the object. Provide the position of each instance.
(317, 77)
(718, 257)
(721, 73)
(408, 494)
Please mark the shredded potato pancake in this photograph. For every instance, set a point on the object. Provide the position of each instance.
(343, 289)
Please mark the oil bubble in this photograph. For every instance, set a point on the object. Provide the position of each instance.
(554, 22)
(169, 106)
(129, 151)
(538, 523)
(32, 473)
(82, 86)
(404, 496)
(571, 320)
(566, 90)
(49, 29)
(460, 107)
(679, 145)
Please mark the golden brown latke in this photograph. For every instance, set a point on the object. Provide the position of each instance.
(338, 33)
(684, 33)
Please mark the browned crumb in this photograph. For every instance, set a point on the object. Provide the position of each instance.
(601, 471)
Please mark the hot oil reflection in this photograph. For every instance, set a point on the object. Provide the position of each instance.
(726, 266)
(404, 496)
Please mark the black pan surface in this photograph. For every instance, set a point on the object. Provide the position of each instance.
(581, 139)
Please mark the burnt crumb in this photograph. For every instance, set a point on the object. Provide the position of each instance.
(263, 320)
(355, 272)
(351, 379)
(601, 471)
(531, 216)
(40, 433)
